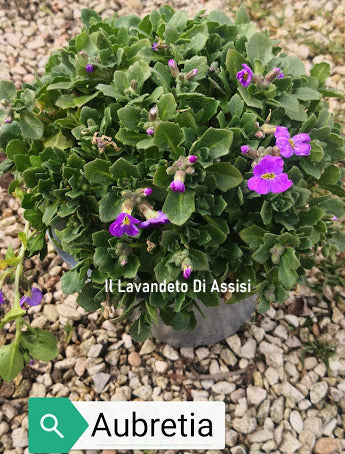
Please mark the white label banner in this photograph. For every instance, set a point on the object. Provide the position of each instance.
(152, 425)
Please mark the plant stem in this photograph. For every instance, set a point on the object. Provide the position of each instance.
(19, 271)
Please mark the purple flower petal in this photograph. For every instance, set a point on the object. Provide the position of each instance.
(285, 147)
(148, 191)
(187, 270)
(34, 299)
(244, 149)
(2, 301)
(124, 223)
(89, 68)
(192, 159)
(177, 185)
(302, 149)
(280, 183)
(245, 75)
(269, 164)
(159, 219)
(259, 185)
(282, 131)
(301, 137)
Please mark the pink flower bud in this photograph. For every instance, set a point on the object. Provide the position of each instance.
(192, 159)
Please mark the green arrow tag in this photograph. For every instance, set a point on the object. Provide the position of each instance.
(54, 425)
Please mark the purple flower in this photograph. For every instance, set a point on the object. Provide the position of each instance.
(34, 299)
(173, 68)
(172, 63)
(155, 47)
(269, 176)
(298, 144)
(124, 223)
(31, 362)
(187, 270)
(244, 149)
(89, 68)
(2, 301)
(245, 75)
(156, 218)
(148, 191)
(8, 120)
(177, 185)
(150, 131)
(334, 218)
(192, 159)
(280, 73)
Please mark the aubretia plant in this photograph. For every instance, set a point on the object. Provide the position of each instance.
(231, 136)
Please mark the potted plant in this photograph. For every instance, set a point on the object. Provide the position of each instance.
(166, 151)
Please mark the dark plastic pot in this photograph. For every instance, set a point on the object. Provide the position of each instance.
(219, 322)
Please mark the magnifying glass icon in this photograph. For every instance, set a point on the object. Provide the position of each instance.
(54, 427)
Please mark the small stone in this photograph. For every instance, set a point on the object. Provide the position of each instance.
(22, 390)
(255, 395)
(100, 380)
(327, 446)
(127, 340)
(296, 421)
(50, 311)
(80, 366)
(86, 345)
(234, 343)
(241, 407)
(291, 393)
(161, 366)
(237, 395)
(231, 437)
(113, 357)
(281, 332)
(290, 444)
(144, 392)
(4, 428)
(214, 367)
(38, 390)
(148, 347)
(245, 425)
(271, 375)
(20, 438)
(277, 410)
(68, 312)
(223, 387)
(318, 392)
(202, 353)
(199, 395)
(95, 351)
(260, 436)
(65, 364)
(228, 357)
(187, 352)
(307, 438)
(313, 424)
(273, 354)
(292, 320)
(134, 359)
(170, 353)
(248, 350)
(329, 427)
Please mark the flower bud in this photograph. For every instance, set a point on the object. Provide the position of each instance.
(173, 68)
(150, 131)
(153, 113)
(89, 68)
(134, 84)
(191, 74)
(275, 73)
(147, 191)
(8, 120)
(244, 149)
(192, 159)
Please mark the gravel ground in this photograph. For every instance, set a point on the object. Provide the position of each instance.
(275, 402)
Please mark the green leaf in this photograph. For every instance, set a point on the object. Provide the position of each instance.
(179, 206)
(30, 126)
(218, 141)
(226, 175)
(129, 117)
(316, 152)
(331, 175)
(167, 136)
(312, 216)
(58, 141)
(98, 172)
(87, 15)
(306, 94)
(292, 107)
(161, 179)
(12, 314)
(11, 362)
(259, 47)
(199, 260)
(109, 207)
(72, 281)
(140, 331)
(167, 107)
(249, 99)
(321, 71)
(209, 299)
(236, 105)
(123, 169)
(242, 16)
(7, 90)
(50, 212)
(139, 71)
(41, 344)
(86, 299)
(252, 235)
